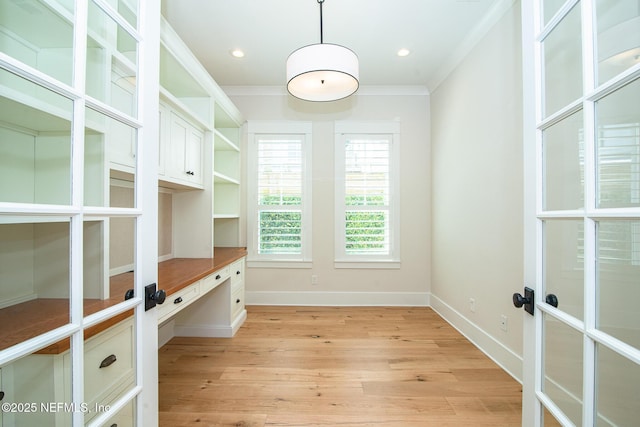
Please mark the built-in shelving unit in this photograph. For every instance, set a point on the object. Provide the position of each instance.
(227, 173)
(191, 102)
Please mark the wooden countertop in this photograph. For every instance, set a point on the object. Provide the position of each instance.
(32, 318)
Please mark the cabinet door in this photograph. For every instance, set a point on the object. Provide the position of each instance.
(185, 152)
(163, 116)
(179, 129)
(193, 156)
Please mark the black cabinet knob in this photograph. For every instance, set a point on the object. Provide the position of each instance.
(177, 300)
(218, 277)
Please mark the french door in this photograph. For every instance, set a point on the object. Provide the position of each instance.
(78, 211)
(582, 155)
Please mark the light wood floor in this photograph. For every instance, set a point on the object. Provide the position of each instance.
(328, 366)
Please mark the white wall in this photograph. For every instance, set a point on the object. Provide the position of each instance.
(409, 285)
(477, 216)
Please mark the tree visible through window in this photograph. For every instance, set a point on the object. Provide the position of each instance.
(367, 196)
(279, 209)
(367, 222)
(279, 195)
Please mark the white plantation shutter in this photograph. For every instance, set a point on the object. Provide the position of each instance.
(367, 187)
(279, 207)
(367, 223)
(280, 194)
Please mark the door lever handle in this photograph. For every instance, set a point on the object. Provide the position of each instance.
(527, 300)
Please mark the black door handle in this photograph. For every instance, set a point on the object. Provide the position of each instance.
(152, 296)
(527, 300)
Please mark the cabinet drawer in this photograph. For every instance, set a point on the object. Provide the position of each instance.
(237, 302)
(237, 271)
(108, 363)
(124, 418)
(213, 280)
(177, 301)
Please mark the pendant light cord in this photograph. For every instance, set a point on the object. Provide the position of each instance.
(320, 3)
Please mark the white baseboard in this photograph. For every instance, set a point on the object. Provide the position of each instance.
(408, 299)
(495, 350)
(211, 331)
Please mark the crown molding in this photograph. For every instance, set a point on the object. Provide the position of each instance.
(482, 28)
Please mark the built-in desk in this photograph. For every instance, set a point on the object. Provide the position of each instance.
(213, 288)
(32, 318)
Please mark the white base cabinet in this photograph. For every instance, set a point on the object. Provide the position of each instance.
(37, 388)
(216, 310)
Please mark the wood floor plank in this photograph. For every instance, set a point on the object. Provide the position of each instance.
(335, 366)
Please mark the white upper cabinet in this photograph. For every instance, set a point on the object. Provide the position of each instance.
(184, 153)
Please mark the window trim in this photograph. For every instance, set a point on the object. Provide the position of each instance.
(342, 259)
(254, 130)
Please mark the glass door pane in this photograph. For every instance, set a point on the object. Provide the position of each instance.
(39, 34)
(618, 25)
(563, 367)
(563, 63)
(563, 264)
(36, 390)
(35, 143)
(563, 151)
(618, 245)
(618, 389)
(112, 55)
(618, 148)
(34, 277)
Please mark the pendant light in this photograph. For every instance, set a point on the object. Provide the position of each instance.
(322, 72)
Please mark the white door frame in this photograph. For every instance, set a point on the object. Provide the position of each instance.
(147, 199)
(530, 404)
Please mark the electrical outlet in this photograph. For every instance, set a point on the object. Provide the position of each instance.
(314, 279)
(503, 322)
(472, 305)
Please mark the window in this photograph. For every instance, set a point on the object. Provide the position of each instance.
(367, 190)
(279, 208)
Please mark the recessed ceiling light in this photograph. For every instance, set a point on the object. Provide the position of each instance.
(237, 53)
(404, 52)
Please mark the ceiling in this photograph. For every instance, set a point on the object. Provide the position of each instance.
(437, 32)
